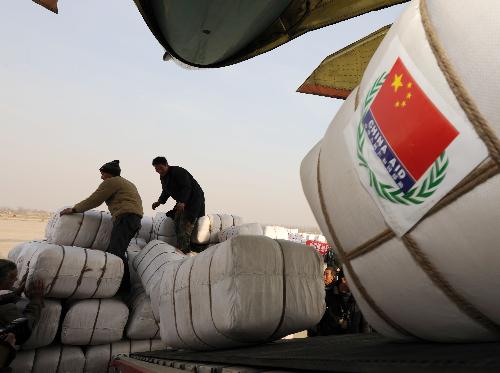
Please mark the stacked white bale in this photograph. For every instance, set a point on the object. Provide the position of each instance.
(414, 286)
(304, 237)
(139, 242)
(55, 358)
(249, 229)
(207, 227)
(141, 321)
(132, 252)
(146, 231)
(91, 229)
(276, 232)
(246, 290)
(94, 321)
(70, 272)
(149, 264)
(45, 329)
(15, 253)
(98, 358)
(163, 229)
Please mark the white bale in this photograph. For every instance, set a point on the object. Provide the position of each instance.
(55, 358)
(94, 321)
(70, 272)
(149, 264)
(146, 231)
(250, 229)
(15, 253)
(98, 358)
(247, 290)
(139, 242)
(276, 232)
(45, 329)
(207, 227)
(134, 278)
(141, 321)
(91, 229)
(304, 237)
(164, 229)
(416, 286)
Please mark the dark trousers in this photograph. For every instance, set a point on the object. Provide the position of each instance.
(124, 229)
(184, 226)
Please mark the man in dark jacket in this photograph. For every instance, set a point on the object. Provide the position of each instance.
(179, 184)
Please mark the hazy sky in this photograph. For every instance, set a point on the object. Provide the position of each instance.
(89, 85)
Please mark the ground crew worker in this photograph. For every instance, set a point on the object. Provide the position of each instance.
(179, 184)
(124, 204)
(16, 325)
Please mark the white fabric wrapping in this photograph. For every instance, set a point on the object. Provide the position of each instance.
(45, 329)
(249, 289)
(15, 253)
(70, 271)
(207, 227)
(146, 231)
(51, 359)
(149, 264)
(139, 242)
(163, 229)
(141, 321)
(134, 278)
(94, 321)
(460, 238)
(276, 232)
(91, 229)
(98, 358)
(250, 229)
(304, 237)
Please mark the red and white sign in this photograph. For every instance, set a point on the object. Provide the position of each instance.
(321, 247)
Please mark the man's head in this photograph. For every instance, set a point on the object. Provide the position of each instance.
(110, 169)
(8, 274)
(329, 276)
(161, 165)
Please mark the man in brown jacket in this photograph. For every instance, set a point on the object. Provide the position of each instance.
(124, 204)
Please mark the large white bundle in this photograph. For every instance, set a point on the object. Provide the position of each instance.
(45, 329)
(139, 242)
(15, 253)
(94, 321)
(70, 272)
(51, 359)
(141, 321)
(250, 229)
(146, 231)
(132, 252)
(91, 229)
(250, 289)
(149, 264)
(163, 229)
(276, 232)
(304, 237)
(207, 227)
(416, 285)
(98, 358)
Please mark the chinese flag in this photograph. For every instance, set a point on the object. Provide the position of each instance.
(413, 126)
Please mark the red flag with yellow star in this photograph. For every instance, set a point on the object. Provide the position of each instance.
(407, 130)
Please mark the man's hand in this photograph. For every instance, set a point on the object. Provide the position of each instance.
(155, 205)
(36, 290)
(180, 206)
(67, 211)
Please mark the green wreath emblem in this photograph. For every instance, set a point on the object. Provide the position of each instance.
(416, 195)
